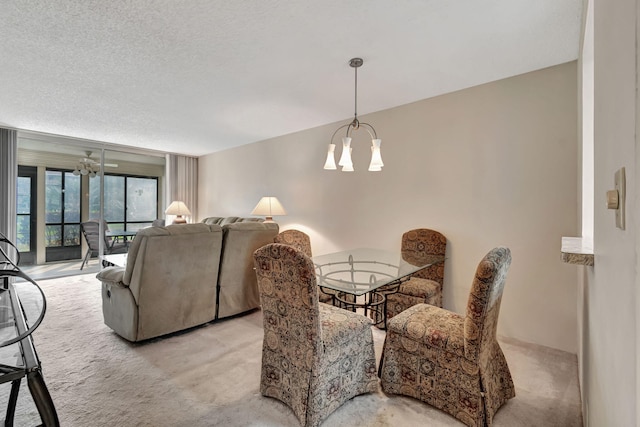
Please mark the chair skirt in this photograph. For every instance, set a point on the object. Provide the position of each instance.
(314, 387)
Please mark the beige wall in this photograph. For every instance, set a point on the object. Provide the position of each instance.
(609, 355)
(491, 165)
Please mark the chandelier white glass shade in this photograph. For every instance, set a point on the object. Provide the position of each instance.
(330, 164)
(345, 158)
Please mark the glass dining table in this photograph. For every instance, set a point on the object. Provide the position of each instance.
(363, 277)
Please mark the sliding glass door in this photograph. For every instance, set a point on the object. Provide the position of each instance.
(59, 187)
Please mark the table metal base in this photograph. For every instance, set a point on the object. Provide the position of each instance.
(374, 305)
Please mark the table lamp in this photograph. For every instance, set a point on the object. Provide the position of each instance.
(268, 206)
(178, 208)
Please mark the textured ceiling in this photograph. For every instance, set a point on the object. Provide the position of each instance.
(198, 76)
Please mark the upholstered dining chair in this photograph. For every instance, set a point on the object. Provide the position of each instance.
(315, 356)
(425, 286)
(449, 361)
(296, 238)
(301, 241)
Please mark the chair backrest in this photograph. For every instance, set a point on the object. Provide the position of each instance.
(289, 297)
(419, 245)
(483, 307)
(296, 238)
(91, 232)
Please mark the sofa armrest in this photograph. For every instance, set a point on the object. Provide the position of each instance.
(119, 307)
(112, 275)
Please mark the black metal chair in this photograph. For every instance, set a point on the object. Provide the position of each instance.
(91, 233)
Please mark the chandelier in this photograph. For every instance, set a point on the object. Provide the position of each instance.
(345, 158)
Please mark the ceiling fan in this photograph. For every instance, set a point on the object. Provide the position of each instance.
(88, 166)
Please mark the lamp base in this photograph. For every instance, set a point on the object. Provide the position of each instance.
(268, 219)
(179, 220)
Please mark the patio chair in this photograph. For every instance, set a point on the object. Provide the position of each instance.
(91, 232)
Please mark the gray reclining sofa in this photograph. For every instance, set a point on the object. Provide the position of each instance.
(184, 275)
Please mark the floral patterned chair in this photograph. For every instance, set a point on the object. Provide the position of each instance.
(425, 286)
(301, 241)
(296, 238)
(452, 362)
(315, 356)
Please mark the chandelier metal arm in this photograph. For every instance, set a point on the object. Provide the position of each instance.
(370, 129)
(338, 130)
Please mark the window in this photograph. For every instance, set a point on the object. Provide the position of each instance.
(62, 209)
(62, 215)
(130, 202)
(24, 214)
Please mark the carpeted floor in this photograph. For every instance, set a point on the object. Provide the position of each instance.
(52, 270)
(209, 376)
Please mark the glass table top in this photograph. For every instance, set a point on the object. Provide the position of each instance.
(25, 297)
(22, 302)
(362, 270)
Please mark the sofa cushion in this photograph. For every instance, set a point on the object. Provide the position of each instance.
(223, 220)
(237, 284)
(170, 230)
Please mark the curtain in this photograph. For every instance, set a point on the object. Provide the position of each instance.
(8, 182)
(182, 182)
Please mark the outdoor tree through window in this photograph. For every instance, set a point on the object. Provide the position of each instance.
(130, 202)
(62, 215)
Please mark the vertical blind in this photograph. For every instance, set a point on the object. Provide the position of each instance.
(182, 182)
(8, 182)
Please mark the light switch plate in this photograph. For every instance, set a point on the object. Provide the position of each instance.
(620, 185)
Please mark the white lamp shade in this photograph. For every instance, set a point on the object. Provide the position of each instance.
(177, 208)
(330, 164)
(376, 156)
(345, 157)
(348, 165)
(268, 206)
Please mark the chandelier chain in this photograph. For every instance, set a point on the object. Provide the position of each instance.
(355, 108)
